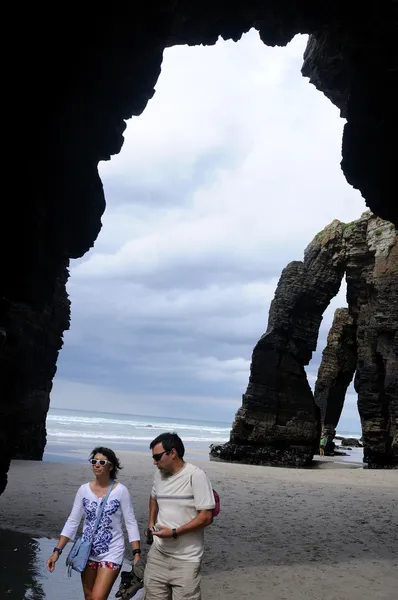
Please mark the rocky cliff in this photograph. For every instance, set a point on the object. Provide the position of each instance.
(372, 296)
(279, 421)
(31, 342)
(79, 96)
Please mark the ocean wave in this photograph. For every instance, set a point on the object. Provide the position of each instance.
(346, 434)
(88, 435)
(80, 420)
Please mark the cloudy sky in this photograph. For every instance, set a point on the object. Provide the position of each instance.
(224, 179)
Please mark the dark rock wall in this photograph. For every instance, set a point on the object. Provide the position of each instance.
(336, 371)
(29, 353)
(372, 295)
(370, 331)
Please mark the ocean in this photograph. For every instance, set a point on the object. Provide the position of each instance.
(71, 434)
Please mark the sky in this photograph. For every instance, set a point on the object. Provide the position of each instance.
(225, 178)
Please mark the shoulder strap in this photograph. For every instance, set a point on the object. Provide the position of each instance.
(101, 510)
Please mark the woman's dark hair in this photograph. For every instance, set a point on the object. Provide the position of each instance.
(169, 441)
(111, 456)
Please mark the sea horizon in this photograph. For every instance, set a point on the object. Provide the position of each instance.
(107, 412)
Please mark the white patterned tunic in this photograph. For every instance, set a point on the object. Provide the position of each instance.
(108, 541)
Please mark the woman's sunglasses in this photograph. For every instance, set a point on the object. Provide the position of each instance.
(96, 461)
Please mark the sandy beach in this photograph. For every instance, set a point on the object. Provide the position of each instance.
(282, 534)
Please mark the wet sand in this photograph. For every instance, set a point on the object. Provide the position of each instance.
(282, 534)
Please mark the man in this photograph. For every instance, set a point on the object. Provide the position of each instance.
(180, 507)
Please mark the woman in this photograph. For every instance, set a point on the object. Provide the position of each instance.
(107, 550)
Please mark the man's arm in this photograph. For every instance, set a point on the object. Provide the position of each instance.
(202, 520)
(153, 511)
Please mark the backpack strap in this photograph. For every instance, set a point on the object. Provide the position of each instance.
(101, 510)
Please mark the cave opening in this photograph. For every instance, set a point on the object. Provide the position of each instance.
(99, 82)
(185, 217)
(187, 236)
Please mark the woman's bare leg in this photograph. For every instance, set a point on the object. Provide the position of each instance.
(88, 580)
(103, 583)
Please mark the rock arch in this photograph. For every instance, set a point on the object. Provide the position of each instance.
(279, 422)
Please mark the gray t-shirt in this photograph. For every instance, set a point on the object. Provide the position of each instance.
(180, 497)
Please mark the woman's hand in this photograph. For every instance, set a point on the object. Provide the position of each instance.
(51, 561)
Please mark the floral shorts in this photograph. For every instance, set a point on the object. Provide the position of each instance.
(103, 564)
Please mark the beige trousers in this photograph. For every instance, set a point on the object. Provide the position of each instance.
(169, 578)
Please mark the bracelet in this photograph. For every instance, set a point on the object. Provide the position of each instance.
(136, 551)
(57, 550)
(174, 533)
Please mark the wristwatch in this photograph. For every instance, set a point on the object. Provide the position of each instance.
(136, 551)
(174, 533)
(58, 550)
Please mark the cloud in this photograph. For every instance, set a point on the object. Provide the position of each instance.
(224, 179)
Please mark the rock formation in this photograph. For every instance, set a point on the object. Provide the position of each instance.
(79, 95)
(372, 296)
(338, 365)
(28, 363)
(351, 442)
(279, 421)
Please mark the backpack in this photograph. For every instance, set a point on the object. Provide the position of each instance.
(216, 509)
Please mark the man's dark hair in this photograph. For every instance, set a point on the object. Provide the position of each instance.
(169, 441)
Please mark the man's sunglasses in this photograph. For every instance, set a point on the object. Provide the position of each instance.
(97, 461)
(157, 457)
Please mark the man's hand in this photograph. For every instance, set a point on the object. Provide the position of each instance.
(162, 532)
(136, 558)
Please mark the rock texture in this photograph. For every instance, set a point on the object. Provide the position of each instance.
(28, 365)
(79, 96)
(372, 295)
(338, 365)
(279, 422)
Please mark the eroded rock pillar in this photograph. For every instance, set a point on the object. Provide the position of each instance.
(337, 368)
